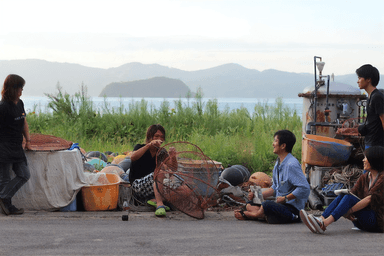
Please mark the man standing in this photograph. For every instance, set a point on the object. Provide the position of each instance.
(290, 186)
(368, 79)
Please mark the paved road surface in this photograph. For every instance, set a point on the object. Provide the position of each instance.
(104, 233)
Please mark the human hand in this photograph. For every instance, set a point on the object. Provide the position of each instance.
(251, 195)
(172, 152)
(349, 215)
(280, 199)
(28, 145)
(155, 143)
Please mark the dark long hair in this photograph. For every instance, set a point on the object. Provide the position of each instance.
(152, 130)
(11, 87)
(375, 157)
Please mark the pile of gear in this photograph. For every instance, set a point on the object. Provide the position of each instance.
(235, 183)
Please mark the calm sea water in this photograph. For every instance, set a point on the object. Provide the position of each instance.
(40, 104)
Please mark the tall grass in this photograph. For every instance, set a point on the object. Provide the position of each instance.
(230, 137)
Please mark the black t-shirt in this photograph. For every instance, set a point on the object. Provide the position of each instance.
(375, 107)
(142, 166)
(146, 163)
(12, 117)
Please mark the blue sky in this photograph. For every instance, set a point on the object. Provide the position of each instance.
(193, 35)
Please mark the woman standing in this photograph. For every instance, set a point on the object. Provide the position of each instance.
(364, 205)
(13, 125)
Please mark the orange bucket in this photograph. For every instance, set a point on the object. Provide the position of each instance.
(324, 151)
(102, 197)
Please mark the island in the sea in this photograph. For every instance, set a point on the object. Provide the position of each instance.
(157, 87)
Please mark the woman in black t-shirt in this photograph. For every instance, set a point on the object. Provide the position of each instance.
(143, 167)
(13, 126)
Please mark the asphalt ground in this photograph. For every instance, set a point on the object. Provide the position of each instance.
(219, 233)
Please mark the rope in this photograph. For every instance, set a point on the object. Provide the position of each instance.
(348, 175)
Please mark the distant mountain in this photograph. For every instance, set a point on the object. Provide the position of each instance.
(157, 87)
(229, 80)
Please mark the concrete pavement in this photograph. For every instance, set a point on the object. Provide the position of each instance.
(104, 233)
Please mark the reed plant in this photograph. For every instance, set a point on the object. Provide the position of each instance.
(231, 137)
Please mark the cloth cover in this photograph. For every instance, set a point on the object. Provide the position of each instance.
(56, 178)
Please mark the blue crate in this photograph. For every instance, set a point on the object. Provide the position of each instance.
(329, 189)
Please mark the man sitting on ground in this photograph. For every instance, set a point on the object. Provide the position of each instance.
(290, 187)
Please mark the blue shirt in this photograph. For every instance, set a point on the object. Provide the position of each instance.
(289, 178)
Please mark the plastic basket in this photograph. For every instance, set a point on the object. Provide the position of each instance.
(102, 197)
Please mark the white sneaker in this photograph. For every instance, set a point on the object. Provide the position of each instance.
(317, 223)
(304, 218)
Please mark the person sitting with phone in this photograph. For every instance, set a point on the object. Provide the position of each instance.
(290, 187)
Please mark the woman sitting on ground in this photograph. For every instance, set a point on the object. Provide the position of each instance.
(143, 167)
(365, 213)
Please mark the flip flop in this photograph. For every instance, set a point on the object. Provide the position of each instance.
(151, 203)
(160, 211)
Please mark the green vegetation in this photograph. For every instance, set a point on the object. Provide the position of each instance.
(230, 137)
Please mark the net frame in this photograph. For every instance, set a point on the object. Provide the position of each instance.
(47, 143)
(187, 184)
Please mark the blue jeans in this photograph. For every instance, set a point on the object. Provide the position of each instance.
(366, 218)
(8, 187)
(280, 213)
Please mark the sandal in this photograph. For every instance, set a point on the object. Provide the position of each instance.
(243, 216)
(160, 211)
(152, 203)
(317, 223)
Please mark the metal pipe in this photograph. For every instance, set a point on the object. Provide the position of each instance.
(327, 108)
(310, 124)
(315, 96)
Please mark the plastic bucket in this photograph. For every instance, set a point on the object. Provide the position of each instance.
(200, 177)
(102, 197)
(325, 151)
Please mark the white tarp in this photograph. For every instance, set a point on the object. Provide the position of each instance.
(56, 177)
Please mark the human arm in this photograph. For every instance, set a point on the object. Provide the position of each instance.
(268, 192)
(357, 207)
(281, 199)
(382, 120)
(293, 183)
(139, 152)
(26, 135)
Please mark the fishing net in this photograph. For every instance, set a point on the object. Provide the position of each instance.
(349, 127)
(189, 183)
(42, 142)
